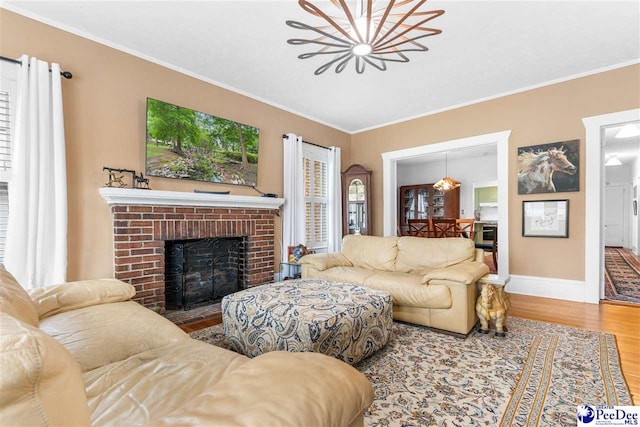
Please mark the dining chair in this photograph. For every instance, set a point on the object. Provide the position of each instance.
(444, 227)
(491, 247)
(420, 227)
(465, 228)
(403, 230)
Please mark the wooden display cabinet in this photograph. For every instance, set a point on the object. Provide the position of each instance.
(356, 200)
(422, 201)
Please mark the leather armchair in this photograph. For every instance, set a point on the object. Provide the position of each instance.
(82, 353)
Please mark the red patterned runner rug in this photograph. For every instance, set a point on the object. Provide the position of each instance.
(622, 275)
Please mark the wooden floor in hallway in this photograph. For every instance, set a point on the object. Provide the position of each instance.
(621, 320)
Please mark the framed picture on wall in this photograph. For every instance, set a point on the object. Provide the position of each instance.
(545, 218)
(549, 168)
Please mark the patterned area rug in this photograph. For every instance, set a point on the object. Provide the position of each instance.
(622, 275)
(537, 375)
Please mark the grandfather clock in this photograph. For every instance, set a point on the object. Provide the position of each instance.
(356, 200)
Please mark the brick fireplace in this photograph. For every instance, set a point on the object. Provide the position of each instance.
(144, 219)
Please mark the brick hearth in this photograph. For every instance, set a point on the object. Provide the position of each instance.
(140, 232)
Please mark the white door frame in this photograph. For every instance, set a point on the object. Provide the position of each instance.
(594, 184)
(390, 184)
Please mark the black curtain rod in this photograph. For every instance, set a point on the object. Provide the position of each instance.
(65, 74)
(284, 135)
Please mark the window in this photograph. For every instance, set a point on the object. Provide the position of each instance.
(315, 196)
(8, 75)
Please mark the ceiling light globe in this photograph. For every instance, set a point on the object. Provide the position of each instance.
(361, 49)
(628, 130)
(613, 161)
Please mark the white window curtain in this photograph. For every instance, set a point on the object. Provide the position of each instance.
(293, 232)
(334, 201)
(36, 250)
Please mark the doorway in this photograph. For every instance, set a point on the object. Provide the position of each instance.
(621, 174)
(390, 183)
(596, 129)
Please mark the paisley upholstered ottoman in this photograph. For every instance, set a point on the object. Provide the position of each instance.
(342, 320)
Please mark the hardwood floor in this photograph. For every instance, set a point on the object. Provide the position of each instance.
(201, 324)
(621, 320)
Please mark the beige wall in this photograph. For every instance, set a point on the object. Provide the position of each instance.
(104, 113)
(548, 114)
(105, 126)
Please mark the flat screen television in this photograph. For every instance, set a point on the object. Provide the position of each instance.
(187, 144)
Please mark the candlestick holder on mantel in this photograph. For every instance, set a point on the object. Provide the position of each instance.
(115, 181)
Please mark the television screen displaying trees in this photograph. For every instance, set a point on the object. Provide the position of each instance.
(188, 144)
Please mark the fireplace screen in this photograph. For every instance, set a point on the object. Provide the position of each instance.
(202, 271)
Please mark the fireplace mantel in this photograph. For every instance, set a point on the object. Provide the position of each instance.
(134, 196)
(145, 220)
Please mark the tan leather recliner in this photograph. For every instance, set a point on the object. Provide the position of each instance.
(431, 281)
(81, 354)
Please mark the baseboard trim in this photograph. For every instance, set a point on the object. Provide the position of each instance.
(548, 287)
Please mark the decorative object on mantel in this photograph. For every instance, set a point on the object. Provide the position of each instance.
(195, 190)
(137, 181)
(115, 180)
(446, 183)
(374, 32)
(263, 194)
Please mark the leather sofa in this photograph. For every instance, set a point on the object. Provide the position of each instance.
(431, 281)
(82, 353)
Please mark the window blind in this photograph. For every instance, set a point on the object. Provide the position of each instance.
(4, 216)
(5, 165)
(315, 194)
(5, 131)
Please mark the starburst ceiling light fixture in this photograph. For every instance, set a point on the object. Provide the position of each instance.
(371, 31)
(446, 183)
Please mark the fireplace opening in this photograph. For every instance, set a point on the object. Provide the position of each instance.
(203, 271)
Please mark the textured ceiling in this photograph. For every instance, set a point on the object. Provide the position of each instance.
(487, 49)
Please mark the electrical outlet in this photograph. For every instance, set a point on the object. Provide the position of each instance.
(461, 212)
